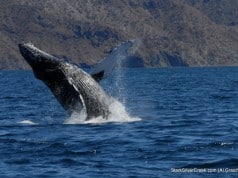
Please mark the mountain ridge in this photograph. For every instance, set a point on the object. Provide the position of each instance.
(172, 32)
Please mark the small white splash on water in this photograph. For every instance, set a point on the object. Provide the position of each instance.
(27, 122)
(118, 114)
(76, 118)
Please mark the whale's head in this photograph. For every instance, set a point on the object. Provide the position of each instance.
(43, 64)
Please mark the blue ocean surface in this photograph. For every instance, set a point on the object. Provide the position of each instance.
(186, 126)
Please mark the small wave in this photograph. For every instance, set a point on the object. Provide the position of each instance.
(27, 122)
(118, 114)
(4, 133)
(232, 162)
(221, 97)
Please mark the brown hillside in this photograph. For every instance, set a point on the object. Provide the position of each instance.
(172, 32)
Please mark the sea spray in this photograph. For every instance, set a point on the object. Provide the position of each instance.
(119, 85)
(119, 72)
(117, 114)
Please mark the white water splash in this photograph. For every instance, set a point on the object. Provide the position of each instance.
(27, 122)
(118, 114)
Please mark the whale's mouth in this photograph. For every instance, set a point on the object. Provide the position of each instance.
(44, 65)
(27, 52)
(36, 57)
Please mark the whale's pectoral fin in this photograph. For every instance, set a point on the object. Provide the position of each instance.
(98, 76)
(105, 67)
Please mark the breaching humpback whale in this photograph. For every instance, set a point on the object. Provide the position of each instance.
(75, 89)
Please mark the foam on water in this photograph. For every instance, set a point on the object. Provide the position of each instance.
(118, 114)
(27, 122)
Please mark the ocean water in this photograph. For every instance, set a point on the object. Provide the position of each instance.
(183, 122)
